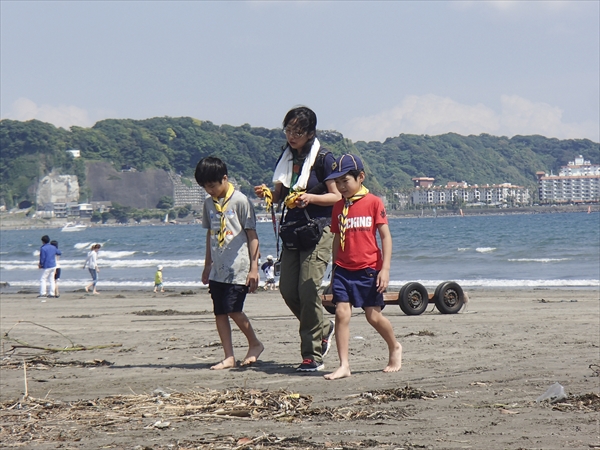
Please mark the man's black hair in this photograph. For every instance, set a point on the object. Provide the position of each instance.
(45, 239)
(210, 170)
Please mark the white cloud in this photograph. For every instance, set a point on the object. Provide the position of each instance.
(433, 115)
(61, 116)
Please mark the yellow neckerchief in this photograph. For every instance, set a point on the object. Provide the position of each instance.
(268, 195)
(221, 208)
(344, 216)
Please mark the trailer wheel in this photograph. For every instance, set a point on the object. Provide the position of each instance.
(329, 309)
(449, 297)
(413, 299)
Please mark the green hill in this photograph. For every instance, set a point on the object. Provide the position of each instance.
(30, 150)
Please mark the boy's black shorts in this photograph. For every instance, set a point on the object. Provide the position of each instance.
(227, 298)
(57, 274)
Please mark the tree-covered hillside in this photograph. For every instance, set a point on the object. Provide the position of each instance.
(32, 149)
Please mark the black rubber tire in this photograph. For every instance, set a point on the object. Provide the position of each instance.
(413, 299)
(329, 309)
(449, 298)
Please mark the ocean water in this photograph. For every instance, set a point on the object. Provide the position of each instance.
(498, 251)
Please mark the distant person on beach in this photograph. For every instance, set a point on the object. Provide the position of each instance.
(269, 270)
(361, 271)
(48, 254)
(231, 260)
(91, 264)
(158, 280)
(299, 182)
(57, 271)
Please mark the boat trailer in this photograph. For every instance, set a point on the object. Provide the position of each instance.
(413, 298)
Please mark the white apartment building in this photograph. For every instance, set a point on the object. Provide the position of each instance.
(186, 192)
(497, 194)
(577, 182)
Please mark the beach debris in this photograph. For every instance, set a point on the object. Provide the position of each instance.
(158, 392)
(189, 292)
(45, 363)
(553, 394)
(421, 333)
(586, 402)
(595, 368)
(25, 416)
(17, 343)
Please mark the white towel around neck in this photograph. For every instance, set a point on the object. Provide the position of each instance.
(285, 168)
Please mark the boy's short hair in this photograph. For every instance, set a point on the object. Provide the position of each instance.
(354, 173)
(55, 243)
(210, 170)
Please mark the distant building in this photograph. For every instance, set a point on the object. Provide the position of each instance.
(577, 182)
(423, 182)
(85, 210)
(186, 192)
(74, 153)
(497, 194)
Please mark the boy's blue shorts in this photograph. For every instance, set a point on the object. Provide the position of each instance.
(227, 298)
(358, 287)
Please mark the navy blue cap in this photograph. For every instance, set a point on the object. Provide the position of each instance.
(345, 164)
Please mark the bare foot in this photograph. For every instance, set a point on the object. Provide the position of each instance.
(341, 372)
(96, 292)
(253, 354)
(227, 363)
(87, 289)
(395, 362)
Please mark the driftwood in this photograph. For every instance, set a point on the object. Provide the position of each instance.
(17, 343)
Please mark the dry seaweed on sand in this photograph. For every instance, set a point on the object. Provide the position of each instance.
(46, 419)
(45, 362)
(395, 394)
(585, 403)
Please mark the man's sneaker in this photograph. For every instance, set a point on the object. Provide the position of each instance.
(309, 365)
(326, 342)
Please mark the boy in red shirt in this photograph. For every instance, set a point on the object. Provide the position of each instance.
(361, 270)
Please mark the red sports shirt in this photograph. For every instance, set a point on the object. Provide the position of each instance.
(361, 249)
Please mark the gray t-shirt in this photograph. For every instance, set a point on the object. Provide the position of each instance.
(231, 263)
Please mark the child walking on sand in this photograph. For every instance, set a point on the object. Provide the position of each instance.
(361, 270)
(158, 280)
(231, 261)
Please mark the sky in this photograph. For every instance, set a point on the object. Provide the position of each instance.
(370, 70)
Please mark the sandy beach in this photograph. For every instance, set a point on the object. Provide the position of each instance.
(468, 380)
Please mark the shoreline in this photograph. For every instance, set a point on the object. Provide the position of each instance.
(8, 222)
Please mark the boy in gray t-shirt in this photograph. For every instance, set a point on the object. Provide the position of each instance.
(231, 261)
